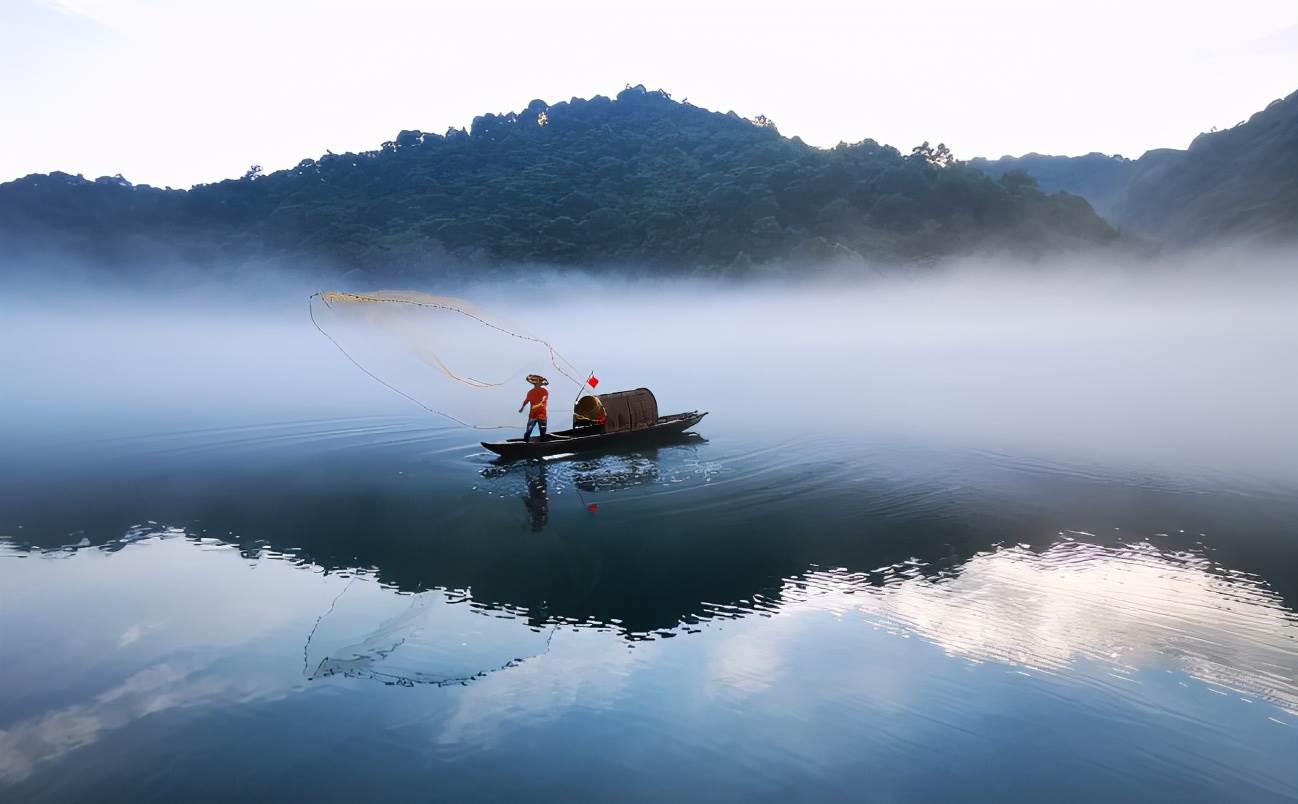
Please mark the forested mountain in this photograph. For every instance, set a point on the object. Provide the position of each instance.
(1241, 182)
(640, 180)
(1098, 178)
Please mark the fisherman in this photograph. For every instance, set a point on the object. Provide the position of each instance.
(538, 398)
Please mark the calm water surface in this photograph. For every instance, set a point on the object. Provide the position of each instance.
(347, 609)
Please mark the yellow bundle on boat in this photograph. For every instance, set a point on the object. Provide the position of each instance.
(589, 410)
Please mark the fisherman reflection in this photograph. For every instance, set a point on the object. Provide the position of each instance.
(537, 499)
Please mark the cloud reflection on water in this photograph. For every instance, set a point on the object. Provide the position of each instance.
(1123, 607)
(1068, 610)
(1079, 612)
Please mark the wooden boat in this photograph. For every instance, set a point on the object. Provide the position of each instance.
(604, 422)
(589, 438)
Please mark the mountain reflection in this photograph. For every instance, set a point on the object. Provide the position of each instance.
(1123, 607)
(686, 537)
(676, 539)
(1098, 612)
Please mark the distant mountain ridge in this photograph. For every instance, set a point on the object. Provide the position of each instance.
(640, 180)
(1240, 182)
(1098, 178)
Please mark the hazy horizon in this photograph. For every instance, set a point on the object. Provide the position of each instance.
(1137, 362)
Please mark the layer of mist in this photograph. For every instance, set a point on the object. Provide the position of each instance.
(1173, 363)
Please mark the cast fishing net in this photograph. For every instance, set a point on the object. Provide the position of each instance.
(444, 354)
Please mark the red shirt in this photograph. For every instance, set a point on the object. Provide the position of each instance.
(537, 398)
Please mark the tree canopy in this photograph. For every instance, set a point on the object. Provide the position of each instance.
(640, 180)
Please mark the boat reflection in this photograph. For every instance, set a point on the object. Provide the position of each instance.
(585, 473)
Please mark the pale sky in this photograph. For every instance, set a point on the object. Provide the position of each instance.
(174, 92)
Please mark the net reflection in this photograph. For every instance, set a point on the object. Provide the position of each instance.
(1122, 608)
(436, 638)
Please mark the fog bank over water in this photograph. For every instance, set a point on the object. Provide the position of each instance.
(1174, 363)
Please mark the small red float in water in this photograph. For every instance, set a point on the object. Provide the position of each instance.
(593, 507)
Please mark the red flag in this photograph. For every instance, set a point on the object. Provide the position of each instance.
(593, 381)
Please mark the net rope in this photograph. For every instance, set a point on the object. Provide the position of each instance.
(414, 300)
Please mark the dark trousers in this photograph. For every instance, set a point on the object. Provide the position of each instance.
(527, 435)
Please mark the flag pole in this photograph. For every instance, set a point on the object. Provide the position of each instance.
(582, 389)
